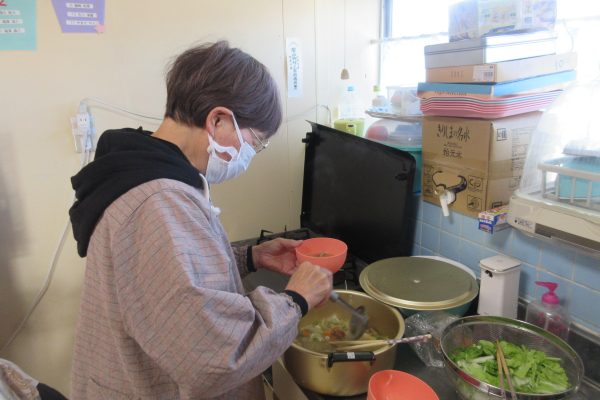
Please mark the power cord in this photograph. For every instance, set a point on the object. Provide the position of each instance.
(89, 101)
(44, 288)
(50, 274)
(82, 125)
(302, 114)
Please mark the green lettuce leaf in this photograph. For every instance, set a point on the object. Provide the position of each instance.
(531, 371)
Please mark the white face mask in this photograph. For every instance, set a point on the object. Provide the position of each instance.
(219, 170)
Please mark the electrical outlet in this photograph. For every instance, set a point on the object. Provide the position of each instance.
(84, 122)
(77, 136)
(83, 131)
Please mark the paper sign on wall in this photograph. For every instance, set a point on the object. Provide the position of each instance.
(83, 16)
(17, 25)
(294, 67)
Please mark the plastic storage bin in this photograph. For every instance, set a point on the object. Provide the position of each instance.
(470, 19)
(401, 134)
(579, 188)
(350, 113)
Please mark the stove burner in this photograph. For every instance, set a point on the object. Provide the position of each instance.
(349, 272)
(297, 234)
(345, 278)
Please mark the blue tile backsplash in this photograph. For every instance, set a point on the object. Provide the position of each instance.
(457, 237)
(558, 259)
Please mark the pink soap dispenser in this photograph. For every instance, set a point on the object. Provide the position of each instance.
(548, 313)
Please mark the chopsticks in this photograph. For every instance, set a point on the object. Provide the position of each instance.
(363, 344)
(500, 374)
(503, 370)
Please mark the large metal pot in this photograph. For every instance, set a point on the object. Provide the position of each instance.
(421, 284)
(345, 374)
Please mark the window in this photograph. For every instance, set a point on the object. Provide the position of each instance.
(408, 26)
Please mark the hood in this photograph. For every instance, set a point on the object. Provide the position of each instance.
(125, 158)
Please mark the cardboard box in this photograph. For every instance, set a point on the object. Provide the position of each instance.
(470, 19)
(481, 160)
(494, 220)
(505, 70)
(491, 228)
(490, 49)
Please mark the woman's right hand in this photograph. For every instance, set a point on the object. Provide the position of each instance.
(311, 282)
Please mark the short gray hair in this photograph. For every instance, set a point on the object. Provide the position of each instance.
(214, 74)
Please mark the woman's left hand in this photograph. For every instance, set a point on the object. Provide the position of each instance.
(277, 255)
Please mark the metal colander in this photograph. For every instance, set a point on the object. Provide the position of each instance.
(466, 331)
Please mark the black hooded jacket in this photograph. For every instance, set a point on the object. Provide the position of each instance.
(125, 158)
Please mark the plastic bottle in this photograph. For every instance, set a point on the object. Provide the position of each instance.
(380, 102)
(350, 112)
(548, 313)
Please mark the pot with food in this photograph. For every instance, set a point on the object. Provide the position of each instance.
(312, 359)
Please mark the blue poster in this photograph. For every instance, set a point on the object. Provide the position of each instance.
(81, 16)
(17, 25)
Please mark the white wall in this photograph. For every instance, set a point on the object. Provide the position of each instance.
(125, 66)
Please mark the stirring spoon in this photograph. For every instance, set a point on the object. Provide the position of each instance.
(359, 319)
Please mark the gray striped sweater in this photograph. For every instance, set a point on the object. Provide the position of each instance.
(163, 311)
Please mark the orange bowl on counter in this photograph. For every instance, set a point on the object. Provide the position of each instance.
(397, 385)
(325, 252)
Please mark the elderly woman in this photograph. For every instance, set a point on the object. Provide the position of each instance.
(163, 311)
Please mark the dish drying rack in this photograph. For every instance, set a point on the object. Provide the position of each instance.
(565, 184)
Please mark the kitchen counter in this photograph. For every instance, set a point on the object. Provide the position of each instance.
(408, 361)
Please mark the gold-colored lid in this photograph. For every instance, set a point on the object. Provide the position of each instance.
(418, 283)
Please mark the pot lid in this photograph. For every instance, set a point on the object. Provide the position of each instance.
(418, 283)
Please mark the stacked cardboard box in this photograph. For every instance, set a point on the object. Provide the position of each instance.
(481, 160)
(481, 103)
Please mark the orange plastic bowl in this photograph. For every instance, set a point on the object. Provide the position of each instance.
(397, 385)
(325, 252)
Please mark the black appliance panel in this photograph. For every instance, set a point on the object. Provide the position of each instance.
(359, 191)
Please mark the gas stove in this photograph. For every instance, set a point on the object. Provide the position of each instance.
(346, 278)
(296, 234)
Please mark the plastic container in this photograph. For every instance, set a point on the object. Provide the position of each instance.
(404, 100)
(470, 19)
(499, 293)
(379, 103)
(570, 185)
(548, 314)
(351, 118)
(353, 126)
(403, 135)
